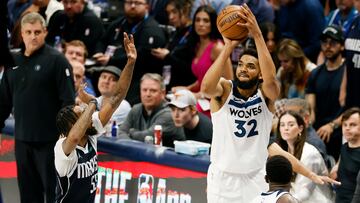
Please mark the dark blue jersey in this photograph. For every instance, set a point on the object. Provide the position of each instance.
(80, 184)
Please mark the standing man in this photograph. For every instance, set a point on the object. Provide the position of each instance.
(197, 126)
(75, 152)
(37, 87)
(147, 35)
(323, 87)
(241, 112)
(347, 168)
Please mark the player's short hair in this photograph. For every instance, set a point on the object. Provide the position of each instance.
(65, 119)
(279, 169)
(251, 52)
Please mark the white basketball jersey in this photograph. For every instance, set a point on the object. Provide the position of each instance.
(241, 131)
(269, 197)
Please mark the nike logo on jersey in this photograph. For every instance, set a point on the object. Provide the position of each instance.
(15, 67)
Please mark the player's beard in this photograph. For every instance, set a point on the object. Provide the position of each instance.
(247, 85)
(91, 131)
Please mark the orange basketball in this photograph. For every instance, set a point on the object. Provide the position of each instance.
(226, 23)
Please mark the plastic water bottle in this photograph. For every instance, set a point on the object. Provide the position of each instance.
(114, 129)
(57, 44)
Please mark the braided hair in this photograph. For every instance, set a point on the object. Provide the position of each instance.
(65, 119)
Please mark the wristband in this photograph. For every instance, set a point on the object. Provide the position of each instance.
(94, 101)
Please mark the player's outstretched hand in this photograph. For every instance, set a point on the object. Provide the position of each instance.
(129, 46)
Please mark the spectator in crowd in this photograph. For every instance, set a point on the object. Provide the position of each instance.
(302, 107)
(196, 125)
(278, 176)
(76, 22)
(323, 87)
(217, 5)
(177, 54)
(351, 80)
(356, 197)
(78, 73)
(342, 16)
(109, 76)
(47, 8)
(76, 150)
(14, 9)
(293, 22)
(348, 166)
(37, 87)
(207, 44)
(147, 35)
(152, 110)
(75, 50)
(157, 10)
(291, 137)
(262, 10)
(271, 37)
(295, 69)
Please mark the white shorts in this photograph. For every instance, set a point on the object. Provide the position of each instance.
(224, 187)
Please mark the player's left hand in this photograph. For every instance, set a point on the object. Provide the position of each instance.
(250, 21)
(84, 96)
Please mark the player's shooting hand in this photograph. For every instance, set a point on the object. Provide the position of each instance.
(129, 46)
(250, 21)
(231, 43)
(325, 132)
(84, 96)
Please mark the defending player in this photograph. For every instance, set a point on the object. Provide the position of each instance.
(75, 152)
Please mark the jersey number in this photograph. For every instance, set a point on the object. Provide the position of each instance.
(93, 182)
(242, 131)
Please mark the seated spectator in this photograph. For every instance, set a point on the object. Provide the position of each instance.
(76, 50)
(301, 107)
(147, 35)
(278, 176)
(76, 22)
(295, 69)
(109, 75)
(196, 125)
(348, 166)
(178, 53)
(291, 137)
(152, 110)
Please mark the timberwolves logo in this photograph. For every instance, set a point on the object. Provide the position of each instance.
(37, 67)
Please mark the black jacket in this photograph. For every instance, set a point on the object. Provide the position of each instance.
(37, 87)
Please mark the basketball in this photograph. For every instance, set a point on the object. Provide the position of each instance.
(226, 23)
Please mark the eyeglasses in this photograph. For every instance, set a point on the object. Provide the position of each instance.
(136, 3)
(331, 42)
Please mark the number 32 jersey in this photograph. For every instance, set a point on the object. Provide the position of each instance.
(241, 131)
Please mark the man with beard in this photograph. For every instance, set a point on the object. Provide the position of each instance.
(242, 114)
(75, 153)
(323, 87)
